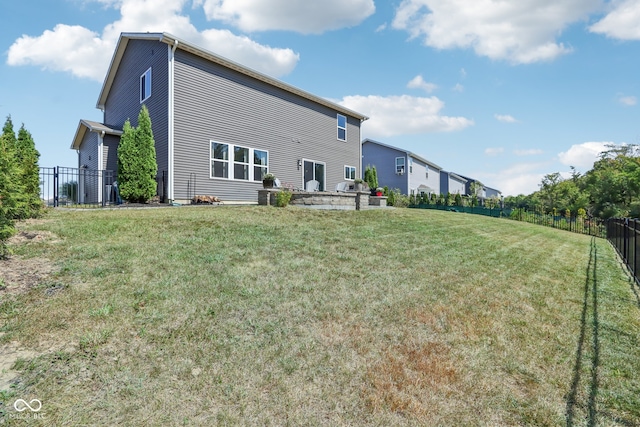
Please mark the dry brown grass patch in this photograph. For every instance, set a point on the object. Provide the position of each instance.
(409, 377)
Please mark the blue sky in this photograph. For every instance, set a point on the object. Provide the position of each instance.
(502, 91)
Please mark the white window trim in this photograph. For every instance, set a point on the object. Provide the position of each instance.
(338, 127)
(231, 162)
(355, 170)
(404, 165)
(324, 178)
(148, 77)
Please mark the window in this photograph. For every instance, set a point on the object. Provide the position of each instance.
(410, 165)
(349, 172)
(260, 164)
(399, 165)
(219, 160)
(145, 85)
(342, 127)
(241, 163)
(427, 168)
(236, 162)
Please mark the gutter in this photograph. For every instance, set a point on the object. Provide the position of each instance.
(171, 120)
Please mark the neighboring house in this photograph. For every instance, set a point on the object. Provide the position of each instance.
(492, 192)
(486, 193)
(218, 126)
(402, 169)
(452, 183)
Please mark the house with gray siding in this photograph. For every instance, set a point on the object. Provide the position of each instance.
(485, 192)
(218, 125)
(401, 169)
(452, 183)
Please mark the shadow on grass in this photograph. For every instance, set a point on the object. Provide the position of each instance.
(589, 304)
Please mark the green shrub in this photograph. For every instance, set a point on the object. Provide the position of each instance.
(137, 167)
(283, 198)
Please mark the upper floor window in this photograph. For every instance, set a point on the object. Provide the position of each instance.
(400, 165)
(410, 165)
(427, 168)
(145, 85)
(349, 173)
(342, 127)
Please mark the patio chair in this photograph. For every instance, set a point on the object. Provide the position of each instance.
(342, 187)
(312, 185)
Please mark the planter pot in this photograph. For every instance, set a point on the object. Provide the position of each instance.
(267, 184)
(379, 193)
(358, 187)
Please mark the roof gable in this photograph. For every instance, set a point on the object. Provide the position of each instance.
(408, 153)
(90, 126)
(210, 56)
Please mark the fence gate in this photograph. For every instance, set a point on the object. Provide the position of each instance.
(62, 186)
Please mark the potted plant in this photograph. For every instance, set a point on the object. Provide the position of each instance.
(379, 191)
(267, 180)
(358, 184)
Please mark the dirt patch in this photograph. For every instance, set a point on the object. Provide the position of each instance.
(18, 275)
(9, 353)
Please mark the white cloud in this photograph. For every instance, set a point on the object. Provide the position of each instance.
(528, 152)
(621, 22)
(302, 16)
(629, 101)
(521, 32)
(458, 88)
(85, 53)
(73, 49)
(518, 178)
(403, 115)
(381, 27)
(493, 151)
(583, 155)
(418, 83)
(505, 118)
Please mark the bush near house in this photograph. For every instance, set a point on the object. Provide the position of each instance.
(137, 167)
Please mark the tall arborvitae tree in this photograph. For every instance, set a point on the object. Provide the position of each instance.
(13, 187)
(29, 175)
(137, 167)
(8, 183)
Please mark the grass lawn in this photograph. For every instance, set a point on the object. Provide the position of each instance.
(266, 316)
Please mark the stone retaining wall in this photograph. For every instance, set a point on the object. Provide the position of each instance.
(318, 199)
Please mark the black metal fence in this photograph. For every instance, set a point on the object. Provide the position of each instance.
(62, 186)
(581, 224)
(623, 235)
(574, 223)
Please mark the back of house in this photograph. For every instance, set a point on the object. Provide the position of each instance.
(219, 126)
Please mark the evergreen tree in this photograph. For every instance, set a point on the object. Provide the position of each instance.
(12, 187)
(29, 173)
(8, 174)
(137, 167)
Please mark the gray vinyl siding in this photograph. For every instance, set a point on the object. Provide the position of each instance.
(88, 159)
(89, 151)
(215, 103)
(384, 160)
(123, 101)
(456, 186)
(444, 182)
(419, 177)
(110, 152)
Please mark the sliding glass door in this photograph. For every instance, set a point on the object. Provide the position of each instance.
(314, 171)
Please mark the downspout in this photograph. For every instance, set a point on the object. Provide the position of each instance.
(100, 165)
(171, 140)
